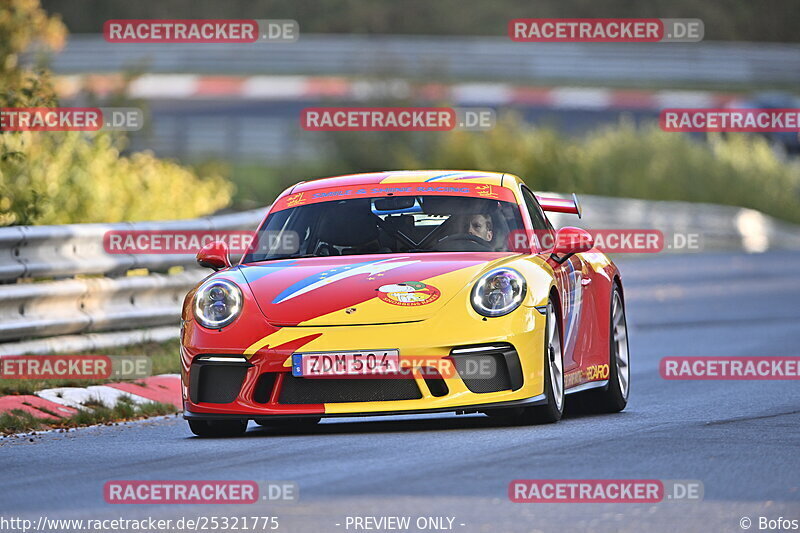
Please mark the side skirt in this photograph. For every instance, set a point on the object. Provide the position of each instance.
(586, 386)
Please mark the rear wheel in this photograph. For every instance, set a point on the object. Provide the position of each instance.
(218, 428)
(553, 380)
(614, 397)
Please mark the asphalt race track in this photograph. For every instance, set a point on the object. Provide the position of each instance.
(739, 438)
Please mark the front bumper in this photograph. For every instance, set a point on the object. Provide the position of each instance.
(261, 385)
(528, 402)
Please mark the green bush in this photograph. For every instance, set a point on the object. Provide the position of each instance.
(74, 177)
(618, 160)
(627, 161)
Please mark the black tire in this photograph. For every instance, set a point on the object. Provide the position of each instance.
(218, 428)
(301, 422)
(613, 398)
(553, 410)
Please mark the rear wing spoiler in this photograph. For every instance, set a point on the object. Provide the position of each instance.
(560, 205)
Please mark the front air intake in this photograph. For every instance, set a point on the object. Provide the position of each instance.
(216, 379)
(488, 368)
(335, 390)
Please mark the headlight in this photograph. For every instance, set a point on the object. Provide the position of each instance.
(498, 292)
(217, 303)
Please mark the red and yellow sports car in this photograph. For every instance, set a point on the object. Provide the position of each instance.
(404, 292)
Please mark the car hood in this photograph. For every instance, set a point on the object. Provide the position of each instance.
(365, 289)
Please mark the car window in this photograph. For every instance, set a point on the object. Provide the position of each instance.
(538, 219)
(544, 234)
(397, 224)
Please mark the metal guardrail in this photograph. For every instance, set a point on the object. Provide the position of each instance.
(68, 250)
(85, 305)
(112, 308)
(485, 58)
(719, 227)
(93, 304)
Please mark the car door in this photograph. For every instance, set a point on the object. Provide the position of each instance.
(570, 276)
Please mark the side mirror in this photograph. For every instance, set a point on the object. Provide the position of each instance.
(214, 255)
(570, 241)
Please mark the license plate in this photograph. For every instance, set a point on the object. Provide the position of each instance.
(362, 363)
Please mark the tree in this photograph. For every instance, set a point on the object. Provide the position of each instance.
(68, 177)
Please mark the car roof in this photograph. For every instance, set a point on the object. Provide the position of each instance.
(405, 176)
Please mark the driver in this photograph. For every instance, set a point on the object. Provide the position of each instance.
(480, 225)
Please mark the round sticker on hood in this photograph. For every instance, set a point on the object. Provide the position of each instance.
(408, 293)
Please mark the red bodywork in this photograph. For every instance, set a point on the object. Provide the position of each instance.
(584, 288)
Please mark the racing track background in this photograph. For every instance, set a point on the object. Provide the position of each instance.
(738, 438)
(237, 104)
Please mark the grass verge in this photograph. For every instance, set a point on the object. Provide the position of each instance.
(18, 421)
(164, 357)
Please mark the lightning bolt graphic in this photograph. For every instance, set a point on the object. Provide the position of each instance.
(337, 274)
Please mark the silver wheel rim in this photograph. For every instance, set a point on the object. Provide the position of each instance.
(619, 343)
(554, 358)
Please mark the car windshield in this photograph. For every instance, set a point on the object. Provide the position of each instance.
(393, 224)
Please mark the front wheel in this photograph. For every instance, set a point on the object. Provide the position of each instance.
(553, 410)
(218, 428)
